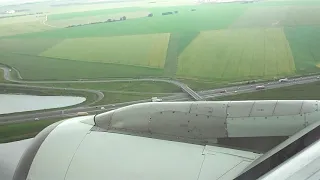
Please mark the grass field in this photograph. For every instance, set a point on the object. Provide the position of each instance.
(135, 86)
(206, 17)
(262, 17)
(22, 28)
(296, 92)
(222, 55)
(178, 42)
(213, 43)
(2, 80)
(27, 46)
(19, 131)
(304, 43)
(42, 68)
(73, 15)
(98, 18)
(278, 16)
(111, 98)
(139, 50)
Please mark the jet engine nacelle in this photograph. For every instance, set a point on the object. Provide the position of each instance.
(213, 119)
(152, 140)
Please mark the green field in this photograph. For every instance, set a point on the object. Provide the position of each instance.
(22, 28)
(42, 68)
(19, 131)
(32, 46)
(222, 55)
(296, 92)
(75, 21)
(72, 15)
(139, 50)
(2, 80)
(211, 43)
(278, 16)
(206, 17)
(304, 43)
(178, 42)
(135, 86)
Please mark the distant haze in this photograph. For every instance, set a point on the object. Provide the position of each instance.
(9, 2)
(12, 2)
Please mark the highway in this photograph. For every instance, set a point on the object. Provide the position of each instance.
(207, 94)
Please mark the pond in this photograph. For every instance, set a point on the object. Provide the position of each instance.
(11, 103)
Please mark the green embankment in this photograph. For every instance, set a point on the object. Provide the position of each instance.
(19, 131)
(296, 92)
(111, 98)
(134, 86)
(2, 80)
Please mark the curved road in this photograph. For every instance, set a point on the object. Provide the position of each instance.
(98, 109)
(184, 87)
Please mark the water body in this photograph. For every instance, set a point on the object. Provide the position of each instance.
(11, 103)
(10, 154)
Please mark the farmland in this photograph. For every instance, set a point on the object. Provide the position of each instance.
(211, 43)
(96, 19)
(304, 42)
(42, 68)
(139, 50)
(72, 15)
(22, 28)
(221, 54)
(205, 18)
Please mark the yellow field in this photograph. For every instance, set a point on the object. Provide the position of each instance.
(138, 50)
(237, 54)
(22, 28)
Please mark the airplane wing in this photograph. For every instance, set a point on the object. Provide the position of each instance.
(177, 140)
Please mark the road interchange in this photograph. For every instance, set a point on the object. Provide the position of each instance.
(71, 112)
